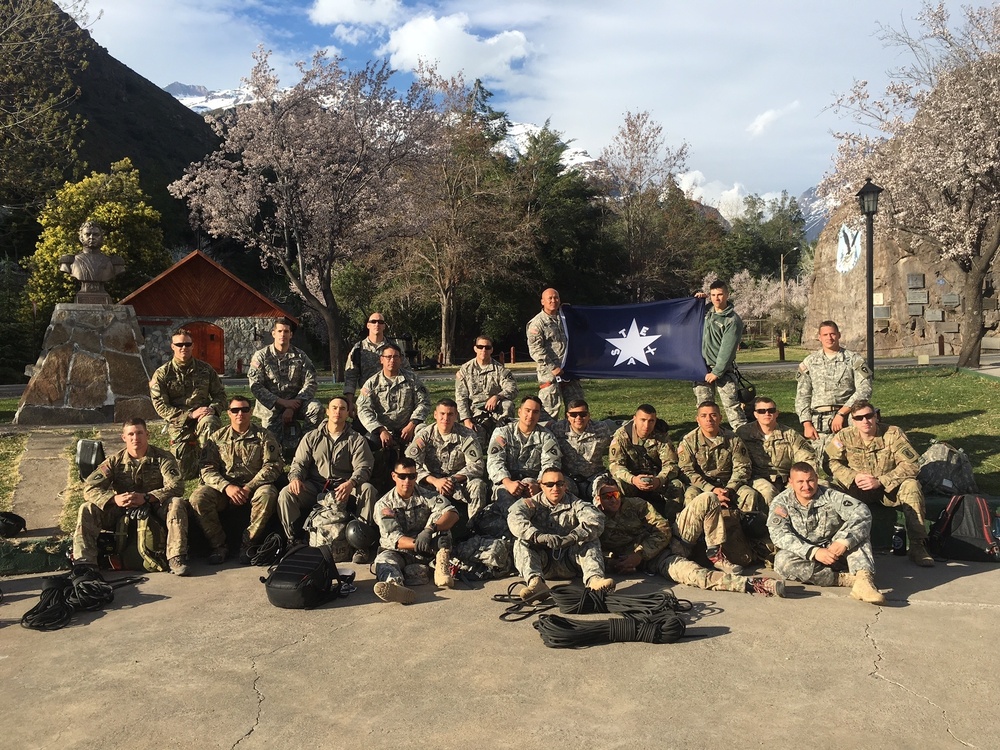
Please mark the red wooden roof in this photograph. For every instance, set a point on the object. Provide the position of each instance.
(196, 287)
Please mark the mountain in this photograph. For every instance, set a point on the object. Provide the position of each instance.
(183, 89)
(816, 212)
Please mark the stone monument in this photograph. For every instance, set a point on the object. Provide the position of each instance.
(93, 366)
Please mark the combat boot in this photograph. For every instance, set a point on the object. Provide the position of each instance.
(864, 589)
(766, 586)
(390, 591)
(720, 562)
(603, 585)
(536, 590)
(218, 555)
(919, 554)
(846, 580)
(178, 566)
(442, 569)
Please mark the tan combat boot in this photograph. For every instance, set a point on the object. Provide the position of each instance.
(597, 583)
(390, 591)
(442, 569)
(536, 590)
(920, 556)
(846, 580)
(864, 588)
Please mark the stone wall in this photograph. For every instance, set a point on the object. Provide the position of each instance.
(242, 337)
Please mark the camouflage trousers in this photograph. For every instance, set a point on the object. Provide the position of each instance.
(678, 568)
(701, 517)
(767, 489)
(208, 502)
(406, 567)
(186, 441)
(310, 413)
(747, 498)
(908, 498)
(821, 423)
(728, 399)
(794, 568)
(556, 395)
(532, 561)
(92, 519)
(291, 507)
(667, 500)
(475, 493)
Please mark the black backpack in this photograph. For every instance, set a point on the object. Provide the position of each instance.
(305, 577)
(964, 531)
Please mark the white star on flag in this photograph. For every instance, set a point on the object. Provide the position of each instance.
(633, 346)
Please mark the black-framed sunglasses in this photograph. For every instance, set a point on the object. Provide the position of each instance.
(239, 409)
(577, 414)
(770, 410)
(484, 346)
(407, 477)
(379, 322)
(184, 344)
(560, 483)
(863, 417)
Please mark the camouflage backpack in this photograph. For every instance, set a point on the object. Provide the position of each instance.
(327, 527)
(485, 557)
(139, 542)
(945, 470)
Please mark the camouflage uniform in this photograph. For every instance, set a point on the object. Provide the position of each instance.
(722, 461)
(719, 343)
(891, 458)
(390, 403)
(637, 527)
(363, 362)
(398, 517)
(773, 455)
(629, 456)
(571, 517)
(826, 385)
(175, 390)
(516, 456)
(155, 475)
(547, 346)
(321, 462)
(475, 385)
(290, 376)
(457, 453)
(799, 531)
(583, 454)
(252, 461)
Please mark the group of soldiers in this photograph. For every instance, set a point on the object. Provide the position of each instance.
(506, 482)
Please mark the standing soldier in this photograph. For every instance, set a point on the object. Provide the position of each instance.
(484, 386)
(720, 341)
(239, 465)
(547, 346)
(189, 395)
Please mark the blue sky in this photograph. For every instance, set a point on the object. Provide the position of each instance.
(746, 84)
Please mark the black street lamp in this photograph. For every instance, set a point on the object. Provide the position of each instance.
(868, 200)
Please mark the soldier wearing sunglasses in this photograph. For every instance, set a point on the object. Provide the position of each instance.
(773, 449)
(484, 386)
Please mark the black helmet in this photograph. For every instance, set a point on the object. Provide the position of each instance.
(362, 535)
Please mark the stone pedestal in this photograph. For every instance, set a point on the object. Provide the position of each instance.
(92, 369)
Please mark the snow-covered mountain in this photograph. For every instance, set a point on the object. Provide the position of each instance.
(816, 212)
(201, 100)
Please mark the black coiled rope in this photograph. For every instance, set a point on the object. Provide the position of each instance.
(573, 599)
(83, 589)
(269, 550)
(562, 632)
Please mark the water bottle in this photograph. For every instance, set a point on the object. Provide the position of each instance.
(899, 540)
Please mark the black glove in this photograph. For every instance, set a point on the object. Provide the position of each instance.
(423, 543)
(552, 541)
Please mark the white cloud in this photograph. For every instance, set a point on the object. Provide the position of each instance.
(352, 35)
(448, 42)
(765, 119)
(361, 12)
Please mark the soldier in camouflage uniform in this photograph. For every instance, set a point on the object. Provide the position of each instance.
(484, 386)
(584, 445)
(414, 528)
(139, 475)
(188, 394)
(547, 346)
(636, 537)
(723, 330)
(332, 461)
(830, 382)
(819, 532)
(364, 359)
(239, 465)
(283, 380)
(643, 462)
(772, 448)
(557, 536)
(449, 459)
(875, 463)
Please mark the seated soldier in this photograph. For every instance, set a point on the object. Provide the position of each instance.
(556, 535)
(636, 537)
(365, 358)
(714, 461)
(138, 476)
(239, 465)
(449, 459)
(820, 533)
(332, 459)
(484, 388)
(283, 380)
(414, 528)
(875, 463)
(772, 448)
(643, 462)
(584, 445)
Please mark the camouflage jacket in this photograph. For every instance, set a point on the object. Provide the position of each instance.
(583, 453)
(889, 456)
(831, 381)
(516, 456)
(391, 403)
(175, 390)
(363, 362)
(155, 474)
(474, 385)
(572, 517)
(437, 455)
(273, 376)
(250, 460)
(319, 457)
(629, 456)
(398, 517)
(773, 455)
(830, 516)
(546, 344)
(707, 463)
(636, 527)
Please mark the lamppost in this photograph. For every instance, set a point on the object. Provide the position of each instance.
(868, 199)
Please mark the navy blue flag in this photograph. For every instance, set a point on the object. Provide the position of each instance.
(660, 340)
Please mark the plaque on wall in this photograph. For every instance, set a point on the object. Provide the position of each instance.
(917, 296)
(989, 303)
(881, 324)
(881, 312)
(915, 310)
(947, 327)
(914, 281)
(933, 316)
(878, 298)
(950, 299)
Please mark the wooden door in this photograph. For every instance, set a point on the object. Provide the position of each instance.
(209, 344)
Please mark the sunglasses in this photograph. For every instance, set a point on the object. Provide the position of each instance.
(765, 411)
(239, 410)
(863, 417)
(483, 346)
(577, 414)
(613, 495)
(377, 322)
(561, 483)
(405, 477)
(391, 356)
(184, 345)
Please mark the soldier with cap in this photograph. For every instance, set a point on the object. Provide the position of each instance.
(773, 449)
(547, 345)
(584, 445)
(283, 380)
